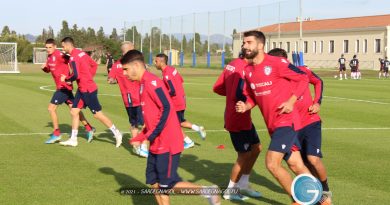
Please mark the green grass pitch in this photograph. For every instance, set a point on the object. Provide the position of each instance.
(356, 145)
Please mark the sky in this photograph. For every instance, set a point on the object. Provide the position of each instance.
(30, 17)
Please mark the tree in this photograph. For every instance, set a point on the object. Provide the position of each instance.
(100, 34)
(114, 34)
(64, 30)
(6, 31)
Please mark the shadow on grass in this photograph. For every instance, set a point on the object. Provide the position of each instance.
(219, 174)
(128, 182)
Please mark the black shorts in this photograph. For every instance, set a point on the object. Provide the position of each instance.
(162, 169)
(135, 116)
(342, 68)
(310, 139)
(244, 139)
(284, 140)
(180, 116)
(62, 96)
(386, 70)
(353, 69)
(87, 99)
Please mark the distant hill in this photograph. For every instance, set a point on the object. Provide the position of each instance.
(31, 38)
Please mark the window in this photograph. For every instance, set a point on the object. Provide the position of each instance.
(273, 45)
(314, 46)
(266, 45)
(288, 47)
(345, 46)
(365, 46)
(331, 46)
(321, 46)
(357, 44)
(377, 45)
(280, 44)
(305, 47)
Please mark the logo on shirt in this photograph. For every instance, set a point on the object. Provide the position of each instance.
(267, 92)
(54, 58)
(166, 77)
(263, 84)
(174, 72)
(250, 74)
(154, 83)
(267, 70)
(253, 86)
(71, 58)
(284, 61)
(81, 54)
(230, 68)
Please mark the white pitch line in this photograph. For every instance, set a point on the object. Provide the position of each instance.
(220, 130)
(213, 98)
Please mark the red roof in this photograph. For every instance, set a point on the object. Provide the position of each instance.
(331, 24)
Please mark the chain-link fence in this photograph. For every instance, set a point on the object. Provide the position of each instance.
(204, 39)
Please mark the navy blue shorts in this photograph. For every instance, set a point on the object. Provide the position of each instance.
(180, 116)
(284, 140)
(87, 99)
(62, 96)
(244, 139)
(310, 139)
(135, 116)
(162, 169)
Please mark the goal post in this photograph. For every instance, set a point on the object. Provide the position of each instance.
(8, 58)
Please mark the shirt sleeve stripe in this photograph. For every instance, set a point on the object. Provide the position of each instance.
(322, 86)
(172, 91)
(164, 117)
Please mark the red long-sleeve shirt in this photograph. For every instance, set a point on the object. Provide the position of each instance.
(231, 83)
(57, 65)
(84, 69)
(129, 89)
(270, 84)
(162, 127)
(174, 83)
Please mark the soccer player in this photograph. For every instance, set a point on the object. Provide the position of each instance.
(342, 67)
(86, 95)
(110, 62)
(310, 135)
(174, 83)
(231, 83)
(162, 129)
(382, 67)
(130, 96)
(354, 64)
(386, 64)
(269, 82)
(57, 65)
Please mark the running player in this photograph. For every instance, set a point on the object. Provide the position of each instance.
(310, 136)
(130, 96)
(162, 129)
(86, 95)
(57, 65)
(269, 86)
(231, 83)
(342, 67)
(354, 64)
(382, 67)
(386, 65)
(174, 83)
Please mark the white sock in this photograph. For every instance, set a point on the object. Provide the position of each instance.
(232, 184)
(187, 139)
(195, 127)
(345, 76)
(74, 134)
(244, 181)
(341, 76)
(114, 130)
(144, 146)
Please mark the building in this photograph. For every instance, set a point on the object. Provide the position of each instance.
(325, 40)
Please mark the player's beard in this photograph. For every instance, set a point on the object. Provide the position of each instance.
(251, 55)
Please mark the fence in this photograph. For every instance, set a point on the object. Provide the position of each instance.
(204, 39)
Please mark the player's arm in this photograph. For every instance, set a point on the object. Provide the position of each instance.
(112, 75)
(137, 140)
(75, 74)
(93, 65)
(219, 85)
(162, 102)
(241, 106)
(45, 68)
(169, 84)
(315, 80)
(292, 73)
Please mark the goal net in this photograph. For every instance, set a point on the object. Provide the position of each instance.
(8, 58)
